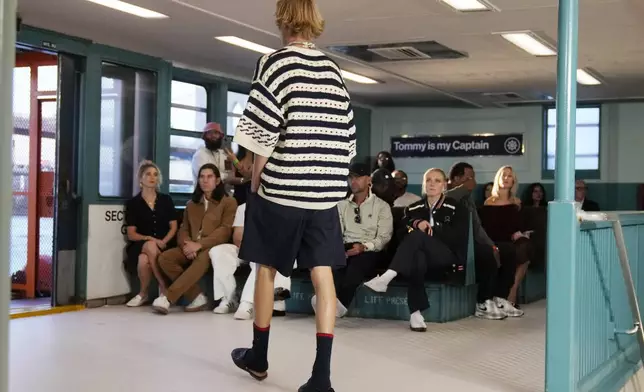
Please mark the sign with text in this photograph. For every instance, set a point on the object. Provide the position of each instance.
(106, 252)
(456, 146)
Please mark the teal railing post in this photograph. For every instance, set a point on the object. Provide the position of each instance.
(561, 344)
(7, 63)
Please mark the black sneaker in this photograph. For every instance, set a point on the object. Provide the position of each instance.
(307, 388)
(239, 356)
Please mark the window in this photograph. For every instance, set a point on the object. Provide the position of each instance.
(236, 105)
(586, 143)
(128, 113)
(188, 113)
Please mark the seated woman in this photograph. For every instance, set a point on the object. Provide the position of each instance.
(534, 196)
(207, 222)
(501, 219)
(434, 238)
(151, 223)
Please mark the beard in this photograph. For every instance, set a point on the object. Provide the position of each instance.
(213, 145)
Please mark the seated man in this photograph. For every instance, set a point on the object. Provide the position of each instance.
(367, 227)
(403, 198)
(207, 222)
(494, 275)
(581, 189)
(225, 262)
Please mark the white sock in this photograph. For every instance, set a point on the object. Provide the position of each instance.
(388, 276)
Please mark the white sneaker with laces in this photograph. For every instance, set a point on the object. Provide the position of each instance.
(489, 311)
(340, 310)
(376, 284)
(417, 322)
(161, 304)
(244, 312)
(137, 301)
(507, 307)
(225, 307)
(198, 304)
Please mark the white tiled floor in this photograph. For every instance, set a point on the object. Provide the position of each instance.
(124, 350)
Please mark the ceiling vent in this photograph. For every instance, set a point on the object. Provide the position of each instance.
(502, 96)
(400, 53)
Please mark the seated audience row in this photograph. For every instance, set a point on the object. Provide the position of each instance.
(432, 241)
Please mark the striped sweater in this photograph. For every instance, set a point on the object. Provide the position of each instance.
(299, 115)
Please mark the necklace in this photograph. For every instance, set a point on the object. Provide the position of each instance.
(304, 44)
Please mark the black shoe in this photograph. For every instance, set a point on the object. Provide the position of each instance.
(307, 388)
(279, 313)
(239, 358)
(281, 294)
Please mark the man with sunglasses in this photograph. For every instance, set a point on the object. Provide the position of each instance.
(367, 227)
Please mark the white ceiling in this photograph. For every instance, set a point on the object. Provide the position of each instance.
(610, 42)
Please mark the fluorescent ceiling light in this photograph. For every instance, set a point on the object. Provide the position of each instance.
(264, 50)
(246, 44)
(583, 77)
(468, 5)
(357, 78)
(530, 42)
(129, 8)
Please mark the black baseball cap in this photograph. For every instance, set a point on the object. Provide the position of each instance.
(359, 170)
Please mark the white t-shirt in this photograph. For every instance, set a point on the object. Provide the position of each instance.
(406, 199)
(203, 156)
(239, 216)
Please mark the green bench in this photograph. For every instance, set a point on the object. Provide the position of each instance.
(448, 302)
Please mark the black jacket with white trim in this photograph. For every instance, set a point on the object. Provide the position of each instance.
(450, 222)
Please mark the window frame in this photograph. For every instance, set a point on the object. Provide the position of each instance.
(547, 174)
(216, 108)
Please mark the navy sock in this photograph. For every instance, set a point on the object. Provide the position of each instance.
(259, 360)
(321, 377)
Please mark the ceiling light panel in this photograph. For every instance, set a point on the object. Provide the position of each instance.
(585, 78)
(130, 9)
(242, 43)
(530, 42)
(469, 5)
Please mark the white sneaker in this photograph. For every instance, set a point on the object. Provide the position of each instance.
(507, 307)
(161, 304)
(417, 322)
(279, 306)
(489, 311)
(314, 304)
(376, 284)
(225, 307)
(340, 310)
(137, 301)
(198, 304)
(244, 312)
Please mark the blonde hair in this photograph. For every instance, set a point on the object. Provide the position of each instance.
(299, 17)
(147, 164)
(497, 179)
(433, 169)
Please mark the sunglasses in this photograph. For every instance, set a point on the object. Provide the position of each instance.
(357, 218)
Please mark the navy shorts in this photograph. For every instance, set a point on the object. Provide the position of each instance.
(277, 235)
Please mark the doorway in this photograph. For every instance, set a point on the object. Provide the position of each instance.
(45, 114)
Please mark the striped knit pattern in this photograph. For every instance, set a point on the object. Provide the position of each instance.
(299, 115)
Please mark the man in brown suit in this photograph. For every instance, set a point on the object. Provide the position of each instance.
(207, 222)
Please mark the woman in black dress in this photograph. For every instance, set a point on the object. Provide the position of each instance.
(151, 227)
